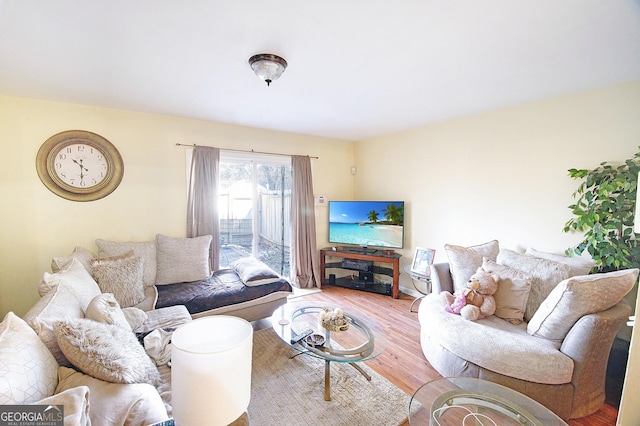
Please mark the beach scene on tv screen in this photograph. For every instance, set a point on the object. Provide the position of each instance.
(366, 223)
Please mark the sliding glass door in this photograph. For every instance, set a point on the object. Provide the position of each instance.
(255, 209)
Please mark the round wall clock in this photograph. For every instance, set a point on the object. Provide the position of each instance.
(79, 165)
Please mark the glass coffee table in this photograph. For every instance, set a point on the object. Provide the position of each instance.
(454, 400)
(363, 340)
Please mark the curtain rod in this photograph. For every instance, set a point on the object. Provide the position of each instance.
(244, 150)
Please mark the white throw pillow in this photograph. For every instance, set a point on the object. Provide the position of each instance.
(83, 255)
(546, 275)
(58, 304)
(105, 308)
(513, 291)
(76, 405)
(465, 261)
(76, 278)
(579, 265)
(578, 296)
(122, 276)
(28, 371)
(115, 403)
(105, 351)
(253, 272)
(145, 249)
(182, 259)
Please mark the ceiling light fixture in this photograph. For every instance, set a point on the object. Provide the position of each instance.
(267, 66)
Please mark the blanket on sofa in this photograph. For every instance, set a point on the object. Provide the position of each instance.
(223, 288)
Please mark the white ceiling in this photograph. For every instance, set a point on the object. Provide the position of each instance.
(357, 68)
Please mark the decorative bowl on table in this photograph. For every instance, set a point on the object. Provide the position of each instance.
(314, 339)
(333, 319)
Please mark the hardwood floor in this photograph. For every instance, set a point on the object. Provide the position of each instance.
(403, 362)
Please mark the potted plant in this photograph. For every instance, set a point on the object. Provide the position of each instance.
(604, 212)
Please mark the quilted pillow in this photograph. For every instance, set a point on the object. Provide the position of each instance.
(28, 371)
(579, 296)
(105, 351)
(145, 249)
(546, 275)
(513, 291)
(464, 261)
(182, 259)
(122, 276)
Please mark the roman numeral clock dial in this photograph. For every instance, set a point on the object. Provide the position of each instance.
(79, 165)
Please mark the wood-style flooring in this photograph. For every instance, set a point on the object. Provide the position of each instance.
(403, 362)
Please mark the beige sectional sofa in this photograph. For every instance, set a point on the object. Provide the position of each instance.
(95, 342)
(552, 332)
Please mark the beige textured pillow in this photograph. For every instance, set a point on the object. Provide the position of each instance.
(513, 291)
(76, 278)
(579, 296)
(182, 259)
(105, 351)
(28, 371)
(82, 254)
(579, 265)
(105, 308)
(145, 249)
(122, 276)
(464, 261)
(546, 275)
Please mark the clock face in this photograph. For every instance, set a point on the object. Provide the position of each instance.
(79, 165)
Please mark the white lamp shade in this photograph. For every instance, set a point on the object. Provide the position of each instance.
(211, 370)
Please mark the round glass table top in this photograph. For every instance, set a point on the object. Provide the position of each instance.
(362, 341)
(463, 400)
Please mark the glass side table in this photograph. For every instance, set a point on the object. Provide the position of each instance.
(362, 341)
(417, 278)
(461, 400)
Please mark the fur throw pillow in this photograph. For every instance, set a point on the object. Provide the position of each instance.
(105, 351)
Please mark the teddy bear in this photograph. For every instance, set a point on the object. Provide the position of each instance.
(476, 301)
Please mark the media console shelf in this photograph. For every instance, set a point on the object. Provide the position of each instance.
(364, 265)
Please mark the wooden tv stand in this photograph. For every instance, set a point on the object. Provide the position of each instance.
(378, 256)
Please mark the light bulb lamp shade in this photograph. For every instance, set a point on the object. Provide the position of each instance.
(267, 66)
(211, 370)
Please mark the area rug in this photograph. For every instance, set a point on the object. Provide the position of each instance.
(291, 391)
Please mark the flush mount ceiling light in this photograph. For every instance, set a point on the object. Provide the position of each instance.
(267, 66)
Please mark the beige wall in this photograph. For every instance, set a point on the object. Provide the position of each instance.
(500, 175)
(36, 224)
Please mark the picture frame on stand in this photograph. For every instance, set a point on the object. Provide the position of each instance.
(422, 261)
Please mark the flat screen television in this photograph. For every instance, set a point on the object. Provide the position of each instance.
(367, 223)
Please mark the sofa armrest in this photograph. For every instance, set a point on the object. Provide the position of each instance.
(441, 278)
(169, 317)
(588, 343)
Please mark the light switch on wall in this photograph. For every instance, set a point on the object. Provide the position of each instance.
(320, 200)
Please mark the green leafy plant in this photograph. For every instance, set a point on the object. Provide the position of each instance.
(604, 211)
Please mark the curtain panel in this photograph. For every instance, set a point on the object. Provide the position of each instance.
(202, 203)
(304, 257)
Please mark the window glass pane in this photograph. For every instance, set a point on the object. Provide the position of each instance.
(255, 208)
